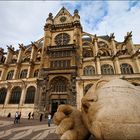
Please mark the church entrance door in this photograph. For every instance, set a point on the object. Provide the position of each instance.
(55, 103)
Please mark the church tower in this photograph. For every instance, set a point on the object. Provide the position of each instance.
(59, 63)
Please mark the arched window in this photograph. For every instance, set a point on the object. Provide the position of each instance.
(3, 93)
(59, 84)
(87, 53)
(89, 70)
(107, 69)
(126, 68)
(87, 87)
(10, 75)
(23, 73)
(30, 95)
(36, 73)
(15, 96)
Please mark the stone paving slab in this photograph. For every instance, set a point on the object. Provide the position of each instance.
(25, 130)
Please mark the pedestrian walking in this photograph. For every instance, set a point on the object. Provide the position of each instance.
(41, 116)
(29, 115)
(16, 117)
(9, 115)
(49, 119)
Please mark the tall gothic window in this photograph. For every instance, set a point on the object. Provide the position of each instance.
(30, 95)
(36, 73)
(60, 64)
(89, 70)
(23, 73)
(10, 75)
(126, 68)
(15, 96)
(59, 84)
(3, 93)
(107, 69)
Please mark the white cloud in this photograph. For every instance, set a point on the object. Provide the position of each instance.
(22, 22)
(120, 21)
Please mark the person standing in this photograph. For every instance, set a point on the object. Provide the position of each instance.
(49, 119)
(41, 116)
(16, 117)
(29, 116)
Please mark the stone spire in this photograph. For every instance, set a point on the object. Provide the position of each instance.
(76, 16)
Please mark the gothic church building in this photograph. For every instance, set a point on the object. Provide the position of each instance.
(61, 66)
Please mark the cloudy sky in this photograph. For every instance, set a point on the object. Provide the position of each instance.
(23, 21)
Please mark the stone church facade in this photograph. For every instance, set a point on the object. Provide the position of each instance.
(61, 66)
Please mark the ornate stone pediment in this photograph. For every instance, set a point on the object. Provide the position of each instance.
(63, 16)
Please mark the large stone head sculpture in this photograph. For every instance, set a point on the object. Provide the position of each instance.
(111, 110)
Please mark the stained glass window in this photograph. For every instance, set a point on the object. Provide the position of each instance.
(107, 69)
(62, 39)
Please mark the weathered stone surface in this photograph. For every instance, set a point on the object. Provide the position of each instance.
(111, 110)
(70, 124)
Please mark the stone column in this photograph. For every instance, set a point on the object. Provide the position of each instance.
(117, 65)
(30, 68)
(16, 72)
(4, 72)
(96, 45)
(8, 95)
(33, 52)
(98, 65)
(23, 94)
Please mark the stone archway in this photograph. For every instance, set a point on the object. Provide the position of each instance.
(59, 93)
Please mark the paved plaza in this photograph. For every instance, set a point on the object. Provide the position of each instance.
(26, 129)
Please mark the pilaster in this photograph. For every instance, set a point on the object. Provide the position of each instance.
(23, 94)
(4, 72)
(16, 72)
(117, 65)
(30, 69)
(96, 45)
(8, 95)
(137, 63)
(98, 65)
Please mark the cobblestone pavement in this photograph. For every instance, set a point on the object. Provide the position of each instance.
(25, 130)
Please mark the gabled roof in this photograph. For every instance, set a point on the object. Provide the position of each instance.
(62, 12)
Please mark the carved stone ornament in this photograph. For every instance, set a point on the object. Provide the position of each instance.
(63, 19)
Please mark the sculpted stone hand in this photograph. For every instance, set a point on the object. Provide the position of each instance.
(111, 110)
(70, 124)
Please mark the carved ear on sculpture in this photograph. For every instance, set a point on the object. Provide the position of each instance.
(91, 95)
